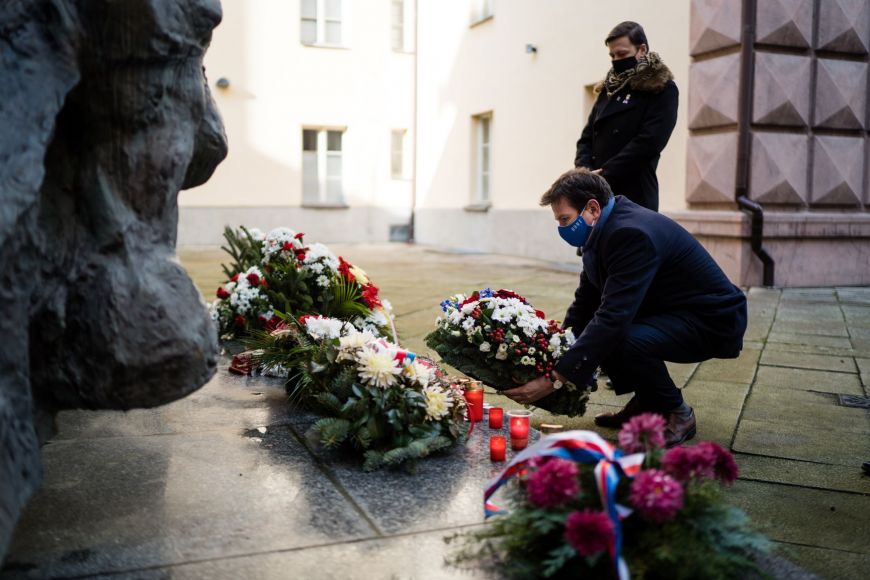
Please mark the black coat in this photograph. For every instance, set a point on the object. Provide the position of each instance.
(640, 263)
(625, 135)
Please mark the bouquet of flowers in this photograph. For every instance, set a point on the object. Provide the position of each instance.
(377, 398)
(582, 508)
(278, 272)
(502, 340)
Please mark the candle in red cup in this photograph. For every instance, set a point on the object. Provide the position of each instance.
(496, 418)
(474, 400)
(518, 422)
(497, 444)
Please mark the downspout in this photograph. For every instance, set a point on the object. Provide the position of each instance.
(744, 142)
(411, 220)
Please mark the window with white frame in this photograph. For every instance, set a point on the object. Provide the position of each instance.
(321, 22)
(481, 10)
(397, 154)
(483, 154)
(398, 15)
(322, 167)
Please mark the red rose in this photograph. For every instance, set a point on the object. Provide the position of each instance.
(303, 318)
(300, 256)
(240, 321)
(299, 236)
(474, 296)
(540, 314)
(370, 296)
(509, 294)
(253, 279)
(222, 293)
(288, 246)
(235, 278)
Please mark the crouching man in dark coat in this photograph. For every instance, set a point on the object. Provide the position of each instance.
(649, 293)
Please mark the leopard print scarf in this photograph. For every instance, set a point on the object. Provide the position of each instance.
(615, 82)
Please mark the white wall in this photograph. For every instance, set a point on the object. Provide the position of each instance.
(539, 109)
(278, 86)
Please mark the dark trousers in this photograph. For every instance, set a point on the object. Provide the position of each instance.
(639, 363)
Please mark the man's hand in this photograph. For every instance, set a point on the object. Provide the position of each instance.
(531, 391)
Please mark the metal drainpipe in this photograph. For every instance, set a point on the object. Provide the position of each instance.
(411, 220)
(744, 142)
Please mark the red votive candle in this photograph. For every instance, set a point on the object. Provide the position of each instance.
(519, 428)
(497, 445)
(474, 400)
(496, 418)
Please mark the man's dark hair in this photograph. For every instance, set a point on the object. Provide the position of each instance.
(578, 186)
(632, 30)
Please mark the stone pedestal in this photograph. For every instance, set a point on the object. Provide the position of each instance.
(800, 111)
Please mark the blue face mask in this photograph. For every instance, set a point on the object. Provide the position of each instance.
(577, 232)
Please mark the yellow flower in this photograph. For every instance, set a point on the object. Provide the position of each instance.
(437, 403)
(360, 275)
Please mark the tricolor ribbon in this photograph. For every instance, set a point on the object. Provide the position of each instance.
(588, 448)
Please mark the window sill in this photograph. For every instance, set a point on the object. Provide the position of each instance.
(311, 205)
(481, 21)
(324, 45)
(480, 207)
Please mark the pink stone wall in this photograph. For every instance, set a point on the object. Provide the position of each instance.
(810, 137)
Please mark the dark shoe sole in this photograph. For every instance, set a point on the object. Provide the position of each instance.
(689, 435)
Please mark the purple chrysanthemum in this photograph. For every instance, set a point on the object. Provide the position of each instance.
(553, 484)
(687, 463)
(644, 432)
(724, 467)
(589, 532)
(656, 495)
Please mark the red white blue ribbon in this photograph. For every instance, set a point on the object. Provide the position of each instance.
(582, 447)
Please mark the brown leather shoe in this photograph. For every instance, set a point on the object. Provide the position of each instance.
(616, 420)
(681, 427)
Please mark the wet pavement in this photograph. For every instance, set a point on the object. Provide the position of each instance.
(224, 483)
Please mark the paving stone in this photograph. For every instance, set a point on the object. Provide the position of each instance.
(847, 478)
(836, 342)
(828, 564)
(790, 378)
(816, 294)
(132, 502)
(739, 370)
(812, 408)
(801, 442)
(864, 369)
(805, 516)
(799, 312)
(856, 315)
(418, 556)
(810, 349)
(226, 402)
(841, 364)
(854, 295)
(717, 408)
(826, 328)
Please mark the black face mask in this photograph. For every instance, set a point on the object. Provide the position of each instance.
(624, 64)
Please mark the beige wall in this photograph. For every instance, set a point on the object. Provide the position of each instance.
(539, 104)
(278, 86)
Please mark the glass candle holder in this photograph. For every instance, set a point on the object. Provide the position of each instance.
(496, 418)
(518, 422)
(497, 448)
(474, 400)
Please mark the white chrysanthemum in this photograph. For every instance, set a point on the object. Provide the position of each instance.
(485, 347)
(320, 254)
(419, 373)
(527, 360)
(502, 352)
(377, 318)
(324, 328)
(273, 244)
(438, 403)
(467, 324)
(322, 281)
(349, 344)
(378, 367)
(257, 234)
(454, 317)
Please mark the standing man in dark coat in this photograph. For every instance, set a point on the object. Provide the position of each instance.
(632, 118)
(649, 293)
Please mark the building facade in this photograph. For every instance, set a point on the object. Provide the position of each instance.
(321, 99)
